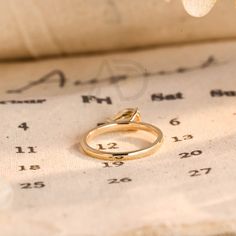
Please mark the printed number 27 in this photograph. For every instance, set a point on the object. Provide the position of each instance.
(203, 171)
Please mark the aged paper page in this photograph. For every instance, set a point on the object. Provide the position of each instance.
(49, 187)
(34, 28)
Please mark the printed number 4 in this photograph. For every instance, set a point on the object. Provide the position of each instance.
(23, 126)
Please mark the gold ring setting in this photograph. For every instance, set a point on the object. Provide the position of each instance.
(128, 119)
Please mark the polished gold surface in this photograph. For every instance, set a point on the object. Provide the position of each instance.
(127, 120)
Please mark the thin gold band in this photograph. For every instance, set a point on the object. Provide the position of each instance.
(125, 125)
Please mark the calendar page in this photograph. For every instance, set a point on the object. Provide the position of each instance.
(48, 186)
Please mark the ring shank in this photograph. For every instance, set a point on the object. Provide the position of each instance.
(124, 126)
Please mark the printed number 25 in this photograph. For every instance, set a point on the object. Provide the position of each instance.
(32, 185)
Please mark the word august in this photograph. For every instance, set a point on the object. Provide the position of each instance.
(60, 80)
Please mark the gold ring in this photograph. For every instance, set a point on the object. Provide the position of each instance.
(127, 120)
